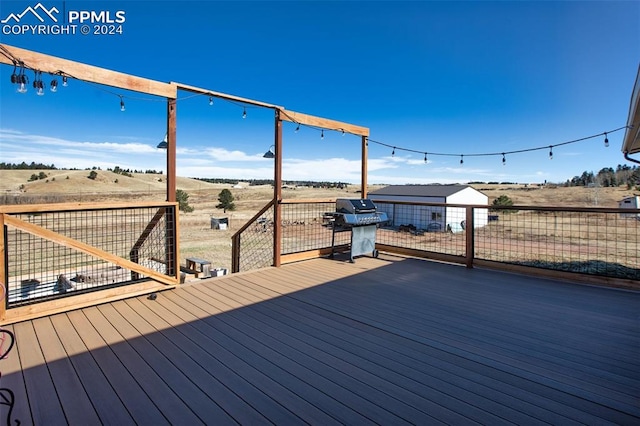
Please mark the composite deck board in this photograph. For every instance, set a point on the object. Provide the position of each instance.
(12, 378)
(110, 409)
(572, 385)
(399, 323)
(342, 332)
(406, 379)
(124, 382)
(515, 346)
(266, 399)
(75, 402)
(42, 397)
(389, 340)
(314, 371)
(337, 401)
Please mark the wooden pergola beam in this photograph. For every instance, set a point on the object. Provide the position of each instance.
(226, 96)
(54, 65)
(325, 123)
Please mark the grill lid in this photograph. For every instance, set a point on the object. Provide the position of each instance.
(355, 206)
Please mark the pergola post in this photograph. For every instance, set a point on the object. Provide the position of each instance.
(277, 192)
(171, 150)
(363, 173)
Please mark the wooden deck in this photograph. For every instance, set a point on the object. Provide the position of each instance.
(388, 341)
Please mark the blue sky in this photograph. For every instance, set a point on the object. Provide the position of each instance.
(439, 77)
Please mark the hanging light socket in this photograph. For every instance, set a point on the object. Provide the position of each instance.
(504, 160)
(244, 113)
(210, 100)
(606, 140)
(121, 104)
(550, 152)
(65, 81)
(461, 159)
(322, 134)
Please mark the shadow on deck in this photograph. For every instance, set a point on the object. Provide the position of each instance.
(389, 340)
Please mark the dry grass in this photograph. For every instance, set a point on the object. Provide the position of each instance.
(197, 239)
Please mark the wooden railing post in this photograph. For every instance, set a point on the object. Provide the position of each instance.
(3, 269)
(277, 192)
(470, 232)
(363, 172)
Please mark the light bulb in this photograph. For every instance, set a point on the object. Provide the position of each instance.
(122, 105)
(65, 83)
(210, 100)
(461, 159)
(40, 91)
(504, 160)
(425, 157)
(298, 128)
(23, 87)
(244, 113)
(393, 152)
(551, 153)
(322, 134)
(606, 140)
(54, 85)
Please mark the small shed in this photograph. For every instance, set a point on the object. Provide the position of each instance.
(630, 203)
(432, 218)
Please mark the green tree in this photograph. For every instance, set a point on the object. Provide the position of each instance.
(226, 201)
(93, 175)
(183, 201)
(503, 201)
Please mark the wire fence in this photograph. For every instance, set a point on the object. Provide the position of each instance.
(593, 241)
(254, 242)
(66, 252)
(590, 241)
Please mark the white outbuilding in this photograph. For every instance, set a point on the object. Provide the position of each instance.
(630, 203)
(432, 218)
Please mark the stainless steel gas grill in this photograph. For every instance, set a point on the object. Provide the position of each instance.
(361, 218)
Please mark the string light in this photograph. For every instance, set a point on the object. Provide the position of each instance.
(425, 158)
(505, 153)
(38, 84)
(15, 79)
(504, 160)
(23, 81)
(393, 153)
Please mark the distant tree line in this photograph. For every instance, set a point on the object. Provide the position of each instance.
(25, 166)
(608, 176)
(257, 182)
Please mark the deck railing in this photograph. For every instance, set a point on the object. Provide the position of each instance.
(600, 244)
(56, 251)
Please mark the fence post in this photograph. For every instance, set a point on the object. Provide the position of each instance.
(235, 253)
(3, 269)
(469, 233)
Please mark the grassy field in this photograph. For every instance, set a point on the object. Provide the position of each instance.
(197, 239)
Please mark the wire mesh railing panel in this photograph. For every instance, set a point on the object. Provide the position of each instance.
(308, 226)
(256, 243)
(425, 227)
(588, 242)
(41, 265)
